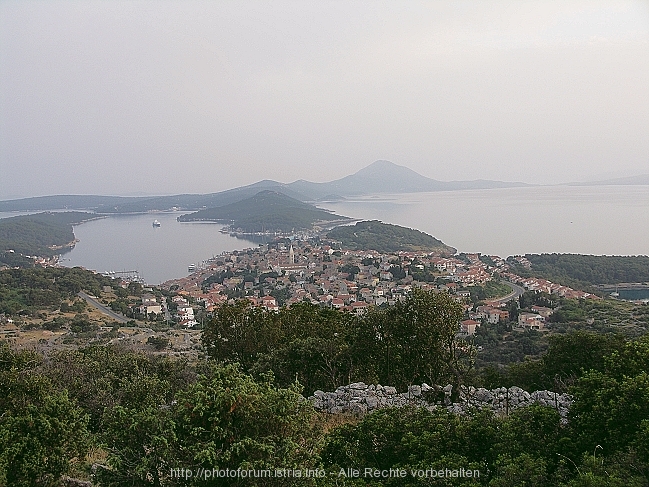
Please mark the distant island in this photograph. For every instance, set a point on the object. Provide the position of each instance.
(267, 212)
(379, 177)
(386, 238)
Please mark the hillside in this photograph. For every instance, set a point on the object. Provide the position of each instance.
(581, 271)
(266, 211)
(387, 177)
(642, 179)
(60, 202)
(378, 177)
(384, 237)
(42, 234)
(200, 201)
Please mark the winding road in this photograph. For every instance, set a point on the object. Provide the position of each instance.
(107, 311)
(516, 292)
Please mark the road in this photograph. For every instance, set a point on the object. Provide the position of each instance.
(107, 311)
(516, 292)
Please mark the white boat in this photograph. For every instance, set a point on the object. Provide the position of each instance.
(156, 223)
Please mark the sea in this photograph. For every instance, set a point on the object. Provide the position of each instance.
(599, 220)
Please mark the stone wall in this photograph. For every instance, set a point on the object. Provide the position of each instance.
(359, 398)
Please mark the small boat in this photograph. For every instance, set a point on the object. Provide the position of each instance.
(191, 268)
(156, 223)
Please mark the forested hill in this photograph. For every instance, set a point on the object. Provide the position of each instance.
(61, 202)
(266, 211)
(384, 237)
(588, 269)
(42, 234)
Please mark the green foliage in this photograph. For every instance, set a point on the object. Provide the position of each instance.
(281, 295)
(266, 211)
(158, 343)
(228, 419)
(414, 340)
(41, 428)
(13, 259)
(585, 270)
(149, 414)
(489, 290)
(42, 234)
(315, 362)
(532, 298)
(610, 412)
(411, 342)
(46, 288)
(386, 238)
(534, 430)
(409, 438)
(102, 377)
(570, 355)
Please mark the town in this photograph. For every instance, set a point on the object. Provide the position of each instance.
(323, 273)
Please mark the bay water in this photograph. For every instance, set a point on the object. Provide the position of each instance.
(599, 220)
(131, 242)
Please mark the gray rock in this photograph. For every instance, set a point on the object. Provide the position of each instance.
(358, 409)
(414, 390)
(359, 399)
(372, 402)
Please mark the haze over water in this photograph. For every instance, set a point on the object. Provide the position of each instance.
(602, 220)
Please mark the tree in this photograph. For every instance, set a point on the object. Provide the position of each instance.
(416, 341)
(139, 435)
(41, 428)
(228, 420)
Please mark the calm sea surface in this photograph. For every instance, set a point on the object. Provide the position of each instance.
(130, 242)
(612, 220)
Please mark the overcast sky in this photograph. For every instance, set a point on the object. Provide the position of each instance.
(180, 96)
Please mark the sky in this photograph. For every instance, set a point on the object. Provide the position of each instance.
(122, 97)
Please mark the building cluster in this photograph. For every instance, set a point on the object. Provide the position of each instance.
(320, 272)
(543, 285)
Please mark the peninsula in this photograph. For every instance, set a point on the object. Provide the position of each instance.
(385, 238)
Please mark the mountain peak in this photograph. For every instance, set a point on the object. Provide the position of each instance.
(382, 166)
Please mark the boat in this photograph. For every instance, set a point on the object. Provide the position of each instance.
(156, 223)
(191, 268)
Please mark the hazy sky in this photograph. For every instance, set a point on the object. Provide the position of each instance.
(180, 96)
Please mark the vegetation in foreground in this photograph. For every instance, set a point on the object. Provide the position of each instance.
(120, 417)
(124, 418)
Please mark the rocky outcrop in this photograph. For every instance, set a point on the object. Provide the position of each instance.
(359, 399)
